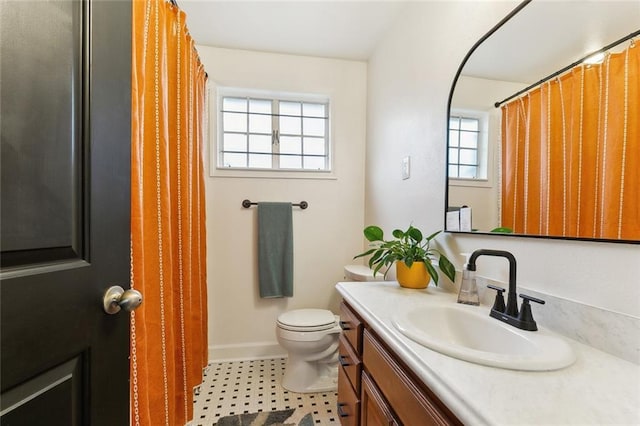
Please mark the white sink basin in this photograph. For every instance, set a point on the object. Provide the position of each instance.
(468, 333)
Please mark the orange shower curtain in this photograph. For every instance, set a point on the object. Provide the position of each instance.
(571, 153)
(169, 330)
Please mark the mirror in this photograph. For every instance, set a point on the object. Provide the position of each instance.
(535, 41)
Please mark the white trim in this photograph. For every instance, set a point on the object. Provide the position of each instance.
(246, 351)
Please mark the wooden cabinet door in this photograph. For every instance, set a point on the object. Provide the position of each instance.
(65, 188)
(375, 411)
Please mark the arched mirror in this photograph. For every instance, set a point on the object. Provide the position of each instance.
(542, 143)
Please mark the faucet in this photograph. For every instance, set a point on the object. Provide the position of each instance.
(509, 314)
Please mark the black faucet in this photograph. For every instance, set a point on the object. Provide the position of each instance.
(509, 314)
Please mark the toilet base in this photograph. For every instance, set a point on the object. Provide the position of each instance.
(305, 377)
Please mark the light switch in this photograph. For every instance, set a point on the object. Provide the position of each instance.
(406, 168)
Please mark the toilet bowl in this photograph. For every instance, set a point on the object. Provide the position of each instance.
(310, 336)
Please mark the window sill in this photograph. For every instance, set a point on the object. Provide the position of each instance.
(271, 174)
(477, 183)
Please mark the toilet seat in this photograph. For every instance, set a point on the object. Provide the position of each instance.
(307, 320)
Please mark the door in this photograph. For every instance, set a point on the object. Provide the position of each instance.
(65, 134)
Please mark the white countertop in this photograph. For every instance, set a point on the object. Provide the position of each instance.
(597, 389)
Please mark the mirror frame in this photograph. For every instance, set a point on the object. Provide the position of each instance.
(501, 23)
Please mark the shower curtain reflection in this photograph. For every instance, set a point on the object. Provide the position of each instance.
(570, 153)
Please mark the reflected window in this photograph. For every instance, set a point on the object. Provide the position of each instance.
(469, 146)
(273, 133)
(464, 144)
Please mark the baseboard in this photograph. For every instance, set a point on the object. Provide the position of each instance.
(246, 351)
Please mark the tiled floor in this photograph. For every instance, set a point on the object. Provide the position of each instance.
(252, 386)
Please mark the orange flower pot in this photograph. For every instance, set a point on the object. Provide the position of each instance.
(414, 277)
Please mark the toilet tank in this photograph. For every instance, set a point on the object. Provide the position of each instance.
(361, 273)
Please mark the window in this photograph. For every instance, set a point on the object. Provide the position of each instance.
(262, 133)
(464, 144)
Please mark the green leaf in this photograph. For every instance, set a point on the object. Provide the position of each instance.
(432, 271)
(366, 253)
(373, 233)
(432, 236)
(447, 267)
(408, 261)
(398, 233)
(415, 234)
(502, 230)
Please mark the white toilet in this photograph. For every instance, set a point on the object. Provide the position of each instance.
(310, 337)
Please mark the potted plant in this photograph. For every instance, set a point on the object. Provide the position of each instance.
(412, 253)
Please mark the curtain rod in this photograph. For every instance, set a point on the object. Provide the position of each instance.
(248, 203)
(568, 67)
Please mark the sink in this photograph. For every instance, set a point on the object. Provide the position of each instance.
(468, 333)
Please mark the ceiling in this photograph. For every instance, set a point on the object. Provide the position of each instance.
(559, 31)
(547, 36)
(334, 29)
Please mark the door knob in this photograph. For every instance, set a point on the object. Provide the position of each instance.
(116, 298)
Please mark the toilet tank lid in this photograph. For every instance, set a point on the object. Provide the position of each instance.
(307, 317)
(361, 273)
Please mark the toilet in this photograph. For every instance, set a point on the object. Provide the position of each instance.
(310, 337)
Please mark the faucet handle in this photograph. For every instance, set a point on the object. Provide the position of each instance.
(526, 299)
(498, 304)
(526, 317)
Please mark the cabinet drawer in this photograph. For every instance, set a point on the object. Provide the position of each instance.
(409, 401)
(375, 411)
(348, 402)
(351, 327)
(350, 362)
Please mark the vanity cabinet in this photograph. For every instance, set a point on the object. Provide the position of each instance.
(349, 371)
(385, 392)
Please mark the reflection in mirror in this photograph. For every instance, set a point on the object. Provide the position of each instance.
(541, 143)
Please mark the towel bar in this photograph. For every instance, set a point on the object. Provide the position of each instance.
(302, 204)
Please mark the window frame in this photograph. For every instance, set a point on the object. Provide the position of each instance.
(484, 149)
(218, 169)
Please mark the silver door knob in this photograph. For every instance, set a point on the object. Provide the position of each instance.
(116, 298)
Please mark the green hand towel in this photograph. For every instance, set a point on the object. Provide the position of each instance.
(275, 250)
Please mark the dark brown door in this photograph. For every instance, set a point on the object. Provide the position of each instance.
(65, 133)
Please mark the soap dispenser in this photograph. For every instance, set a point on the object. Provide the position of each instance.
(468, 293)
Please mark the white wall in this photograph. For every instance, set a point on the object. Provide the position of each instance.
(409, 79)
(326, 235)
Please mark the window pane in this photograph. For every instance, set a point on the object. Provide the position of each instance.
(454, 123)
(468, 139)
(259, 143)
(234, 104)
(234, 142)
(262, 161)
(290, 145)
(290, 162)
(234, 160)
(453, 156)
(314, 163)
(260, 105)
(453, 171)
(314, 146)
(234, 122)
(290, 125)
(469, 124)
(468, 156)
(468, 172)
(313, 110)
(454, 135)
(313, 126)
(290, 108)
(260, 123)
